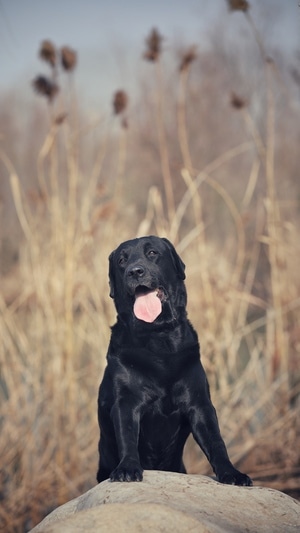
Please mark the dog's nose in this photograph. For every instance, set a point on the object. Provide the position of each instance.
(137, 271)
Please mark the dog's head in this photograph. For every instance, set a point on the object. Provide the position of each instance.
(146, 281)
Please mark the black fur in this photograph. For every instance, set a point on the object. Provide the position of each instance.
(154, 392)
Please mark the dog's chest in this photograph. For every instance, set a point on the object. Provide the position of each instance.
(161, 416)
(156, 366)
(161, 413)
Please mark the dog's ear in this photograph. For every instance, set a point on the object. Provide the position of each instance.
(111, 275)
(178, 263)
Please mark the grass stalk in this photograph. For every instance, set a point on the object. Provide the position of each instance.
(162, 141)
(182, 120)
(280, 350)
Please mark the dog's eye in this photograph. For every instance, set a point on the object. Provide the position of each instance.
(122, 260)
(152, 253)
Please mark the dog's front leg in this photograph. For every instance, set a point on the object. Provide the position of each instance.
(126, 420)
(205, 429)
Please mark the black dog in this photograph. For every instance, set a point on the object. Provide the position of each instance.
(154, 391)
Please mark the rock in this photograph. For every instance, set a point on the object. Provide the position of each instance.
(169, 502)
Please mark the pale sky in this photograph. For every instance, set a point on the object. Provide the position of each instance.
(109, 35)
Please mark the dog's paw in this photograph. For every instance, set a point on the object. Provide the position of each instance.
(234, 477)
(129, 472)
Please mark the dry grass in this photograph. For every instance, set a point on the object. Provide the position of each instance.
(55, 311)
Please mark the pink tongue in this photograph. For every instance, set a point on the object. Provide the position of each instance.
(147, 307)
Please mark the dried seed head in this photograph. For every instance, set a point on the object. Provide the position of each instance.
(68, 58)
(60, 118)
(45, 87)
(120, 102)
(237, 101)
(187, 58)
(238, 5)
(124, 123)
(48, 52)
(270, 60)
(153, 43)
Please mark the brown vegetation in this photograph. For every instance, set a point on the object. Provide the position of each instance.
(220, 181)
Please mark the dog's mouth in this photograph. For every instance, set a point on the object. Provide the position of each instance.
(148, 303)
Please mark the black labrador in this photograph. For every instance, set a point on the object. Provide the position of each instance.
(154, 392)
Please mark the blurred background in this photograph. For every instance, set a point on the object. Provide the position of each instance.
(179, 119)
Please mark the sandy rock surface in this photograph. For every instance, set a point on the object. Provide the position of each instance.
(169, 502)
